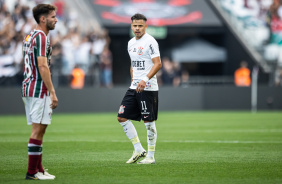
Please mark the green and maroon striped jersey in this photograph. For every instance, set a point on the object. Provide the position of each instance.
(34, 45)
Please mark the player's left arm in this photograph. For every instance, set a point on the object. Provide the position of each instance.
(156, 67)
(46, 77)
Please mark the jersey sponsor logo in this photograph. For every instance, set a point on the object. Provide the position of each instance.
(152, 49)
(140, 51)
(145, 112)
(134, 50)
(139, 65)
(121, 109)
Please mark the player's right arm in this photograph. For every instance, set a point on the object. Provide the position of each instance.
(46, 77)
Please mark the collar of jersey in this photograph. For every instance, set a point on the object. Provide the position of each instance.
(40, 31)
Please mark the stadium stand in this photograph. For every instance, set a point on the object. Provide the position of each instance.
(73, 44)
(80, 39)
(257, 24)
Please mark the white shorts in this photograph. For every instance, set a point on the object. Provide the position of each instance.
(38, 110)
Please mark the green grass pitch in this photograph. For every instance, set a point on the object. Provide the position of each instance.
(192, 147)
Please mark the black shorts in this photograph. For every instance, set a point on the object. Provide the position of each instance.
(137, 106)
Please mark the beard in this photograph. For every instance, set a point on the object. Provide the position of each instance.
(50, 26)
(140, 34)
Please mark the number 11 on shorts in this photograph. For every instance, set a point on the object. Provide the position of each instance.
(143, 103)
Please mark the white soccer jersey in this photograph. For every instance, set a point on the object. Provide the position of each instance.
(141, 53)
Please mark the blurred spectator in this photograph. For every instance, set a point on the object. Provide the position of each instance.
(39, 1)
(16, 16)
(106, 68)
(99, 44)
(68, 54)
(16, 49)
(248, 19)
(7, 31)
(170, 72)
(242, 75)
(28, 25)
(60, 4)
(10, 46)
(184, 79)
(78, 77)
(100, 41)
(177, 70)
(7, 68)
(70, 45)
(274, 21)
(82, 54)
(56, 61)
(159, 77)
(167, 72)
(11, 35)
(278, 77)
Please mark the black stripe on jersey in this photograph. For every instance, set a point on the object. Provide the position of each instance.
(152, 50)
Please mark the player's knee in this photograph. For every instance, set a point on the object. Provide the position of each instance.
(121, 119)
(38, 131)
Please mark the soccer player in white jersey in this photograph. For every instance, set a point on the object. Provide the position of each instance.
(38, 92)
(141, 99)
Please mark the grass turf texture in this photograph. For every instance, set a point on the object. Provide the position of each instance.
(192, 147)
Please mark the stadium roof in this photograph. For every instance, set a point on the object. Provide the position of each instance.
(171, 13)
(199, 50)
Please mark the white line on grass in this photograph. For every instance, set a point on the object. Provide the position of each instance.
(225, 142)
(165, 141)
(243, 131)
(187, 130)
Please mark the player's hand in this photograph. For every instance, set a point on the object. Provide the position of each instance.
(54, 100)
(141, 86)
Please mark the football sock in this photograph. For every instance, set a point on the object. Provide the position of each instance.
(151, 138)
(131, 133)
(39, 165)
(34, 152)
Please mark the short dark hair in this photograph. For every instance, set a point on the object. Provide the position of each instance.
(138, 16)
(42, 9)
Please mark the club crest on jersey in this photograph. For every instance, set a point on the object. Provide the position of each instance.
(140, 51)
(121, 109)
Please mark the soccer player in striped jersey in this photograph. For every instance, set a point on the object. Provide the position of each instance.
(38, 92)
(141, 99)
